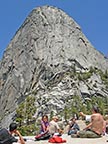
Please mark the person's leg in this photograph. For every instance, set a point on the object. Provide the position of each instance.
(88, 134)
(82, 134)
(72, 132)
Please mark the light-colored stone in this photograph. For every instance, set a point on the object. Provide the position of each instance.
(70, 140)
(47, 46)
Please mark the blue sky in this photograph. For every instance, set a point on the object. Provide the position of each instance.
(91, 15)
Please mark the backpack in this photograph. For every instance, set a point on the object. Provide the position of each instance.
(56, 139)
(6, 137)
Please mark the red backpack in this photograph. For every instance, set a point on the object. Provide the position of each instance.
(56, 139)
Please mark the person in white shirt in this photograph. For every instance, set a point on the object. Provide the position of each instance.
(54, 128)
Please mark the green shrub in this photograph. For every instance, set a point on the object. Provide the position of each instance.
(24, 116)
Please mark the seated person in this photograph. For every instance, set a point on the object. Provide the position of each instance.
(95, 128)
(44, 124)
(44, 132)
(73, 127)
(13, 130)
(87, 118)
(54, 128)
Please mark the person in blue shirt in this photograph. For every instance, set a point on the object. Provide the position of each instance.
(73, 127)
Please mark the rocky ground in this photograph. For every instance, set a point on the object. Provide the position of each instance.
(70, 140)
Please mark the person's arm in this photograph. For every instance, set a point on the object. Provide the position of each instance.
(47, 129)
(21, 140)
(86, 117)
(76, 126)
(88, 126)
(43, 126)
(58, 128)
(82, 114)
(60, 131)
(69, 125)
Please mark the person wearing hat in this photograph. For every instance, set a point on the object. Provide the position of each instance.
(13, 130)
(54, 128)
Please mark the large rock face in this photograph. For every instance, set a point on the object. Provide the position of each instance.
(48, 44)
